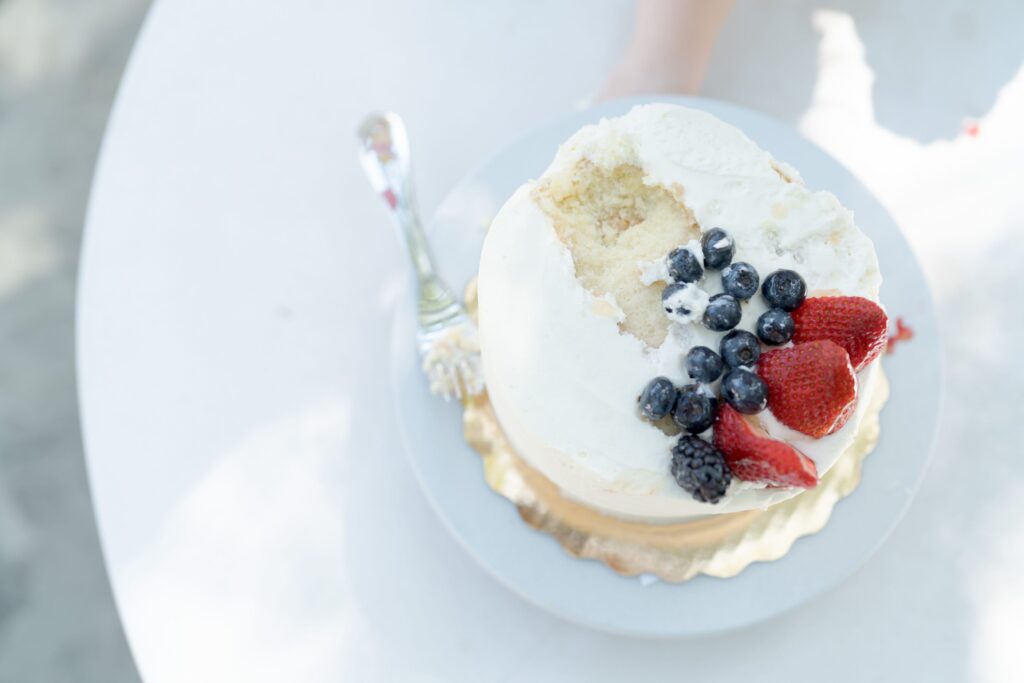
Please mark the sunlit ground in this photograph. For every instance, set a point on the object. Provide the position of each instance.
(60, 63)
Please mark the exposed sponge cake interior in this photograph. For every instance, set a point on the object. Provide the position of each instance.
(610, 221)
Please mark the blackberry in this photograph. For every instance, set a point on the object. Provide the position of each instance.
(718, 248)
(700, 469)
(784, 289)
(740, 280)
(658, 398)
(683, 266)
(739, 347)
(695, 409)
(775, 327)
(703, 364)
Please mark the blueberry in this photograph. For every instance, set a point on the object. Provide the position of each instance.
(745, 391)
(683, 266)
(784, 289)
(695, 409)
(723, 313)
(703, 364)
(718, 248)
(700, 469)
(658, 398)
(740, 280)
(775, 326)
(739, 347)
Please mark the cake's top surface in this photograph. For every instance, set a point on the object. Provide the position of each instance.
(570, 283)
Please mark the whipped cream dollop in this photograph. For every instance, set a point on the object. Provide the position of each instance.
(686, 303)
(562, 376)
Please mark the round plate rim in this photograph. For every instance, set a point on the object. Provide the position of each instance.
(584, 611)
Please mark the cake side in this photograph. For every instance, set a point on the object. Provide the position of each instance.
(570, 318)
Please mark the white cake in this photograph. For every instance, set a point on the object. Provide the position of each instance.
(570, 315)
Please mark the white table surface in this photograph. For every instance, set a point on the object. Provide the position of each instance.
(259, 519)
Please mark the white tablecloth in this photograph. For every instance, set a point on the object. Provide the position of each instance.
(259, 519)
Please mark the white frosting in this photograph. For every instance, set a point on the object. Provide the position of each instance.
(653, 271)
(562, 377)
(721, 243)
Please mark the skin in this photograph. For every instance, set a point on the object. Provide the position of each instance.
(669, 49)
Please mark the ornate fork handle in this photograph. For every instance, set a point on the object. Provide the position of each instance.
(384, 153)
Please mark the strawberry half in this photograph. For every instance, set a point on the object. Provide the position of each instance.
(754, 456)
(858, 325)
(811, 386)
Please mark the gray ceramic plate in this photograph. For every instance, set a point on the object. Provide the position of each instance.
(531, 563)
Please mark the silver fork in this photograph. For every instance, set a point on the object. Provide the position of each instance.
(445, 334)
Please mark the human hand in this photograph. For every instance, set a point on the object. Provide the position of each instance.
(669, 49)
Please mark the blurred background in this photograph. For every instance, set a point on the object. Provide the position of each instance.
(923, 100)
(60, 63)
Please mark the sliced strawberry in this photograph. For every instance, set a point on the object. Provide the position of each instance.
(811, 386)
(754, 456)
(855, 323)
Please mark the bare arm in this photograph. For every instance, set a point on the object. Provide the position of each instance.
(669, 49)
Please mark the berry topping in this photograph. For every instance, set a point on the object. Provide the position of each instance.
(739, 347)
(903, 333)
(718, 248)
(695, 409)
(775, 327)
(740, 280)
(855, 323)
(658, 398)
(700, 469)
(812, 386)
(744, 391)
(784, 289)
(684, 302)
(754, 456)
(703, 364)
(684, 266)
(722, 313)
